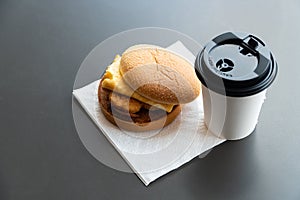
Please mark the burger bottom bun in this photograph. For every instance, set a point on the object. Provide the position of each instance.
(139, 127)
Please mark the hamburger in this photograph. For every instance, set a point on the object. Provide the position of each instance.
(145, 88)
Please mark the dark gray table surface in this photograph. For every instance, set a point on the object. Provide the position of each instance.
(42, 44)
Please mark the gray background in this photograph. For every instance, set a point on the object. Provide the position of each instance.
(42, 44)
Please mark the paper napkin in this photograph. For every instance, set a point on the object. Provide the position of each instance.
(153, 154)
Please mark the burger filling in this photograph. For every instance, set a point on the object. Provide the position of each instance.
(129, 109)
(113, 80)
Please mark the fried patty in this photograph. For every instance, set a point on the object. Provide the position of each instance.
(128, 109)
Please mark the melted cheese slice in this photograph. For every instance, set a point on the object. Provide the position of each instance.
(113, 80)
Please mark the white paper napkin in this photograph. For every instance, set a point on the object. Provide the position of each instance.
(154, 153)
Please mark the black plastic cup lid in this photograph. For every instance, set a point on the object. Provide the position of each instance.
(236, 64)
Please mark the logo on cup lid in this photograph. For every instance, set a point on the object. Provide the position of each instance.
(224, 65)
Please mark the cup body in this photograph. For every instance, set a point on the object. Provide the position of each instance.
(231, 118)
(235, 70)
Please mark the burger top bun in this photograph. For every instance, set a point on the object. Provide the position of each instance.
(142, 46)
(159, 74)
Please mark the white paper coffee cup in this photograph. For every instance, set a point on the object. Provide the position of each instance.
(235, 70)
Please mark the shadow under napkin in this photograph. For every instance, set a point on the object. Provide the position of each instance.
(234, 177)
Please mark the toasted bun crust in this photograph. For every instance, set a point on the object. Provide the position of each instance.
(131, 125)
(159, 75)
(141, 46)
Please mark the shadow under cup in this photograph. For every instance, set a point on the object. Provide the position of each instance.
(235, 70)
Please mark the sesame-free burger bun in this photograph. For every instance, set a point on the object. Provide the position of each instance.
(159, 75)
